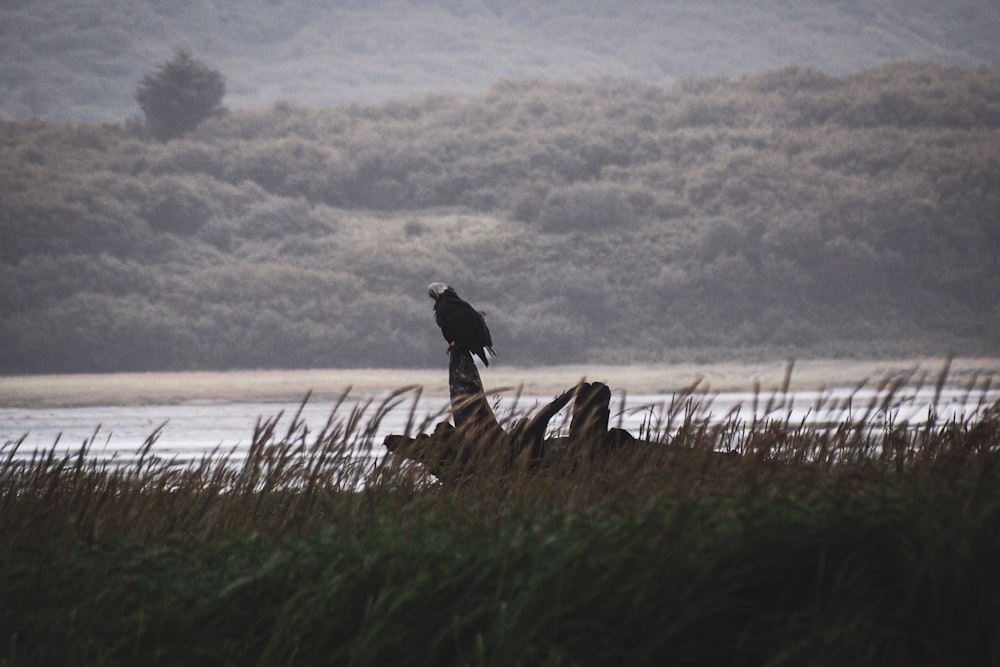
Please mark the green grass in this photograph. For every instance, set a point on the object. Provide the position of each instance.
(807, 547)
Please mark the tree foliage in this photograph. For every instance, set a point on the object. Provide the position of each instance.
(179, 95)
(786, 213)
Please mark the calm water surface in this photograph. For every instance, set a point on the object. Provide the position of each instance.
(191, 430)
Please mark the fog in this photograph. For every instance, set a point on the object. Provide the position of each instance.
(80, 59)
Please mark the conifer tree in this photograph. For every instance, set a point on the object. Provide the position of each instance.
(179, 95)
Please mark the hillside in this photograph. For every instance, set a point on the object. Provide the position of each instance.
(80, 60)
(784, 213)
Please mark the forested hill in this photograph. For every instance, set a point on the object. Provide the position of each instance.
(79, 60)
(785, 213)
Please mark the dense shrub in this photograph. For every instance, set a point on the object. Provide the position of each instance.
(586, 207)
(179, 95)
(607, 221)
(176, 207)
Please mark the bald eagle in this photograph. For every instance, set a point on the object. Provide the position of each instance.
(462, 325)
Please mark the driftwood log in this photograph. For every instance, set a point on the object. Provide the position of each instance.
(477, 438)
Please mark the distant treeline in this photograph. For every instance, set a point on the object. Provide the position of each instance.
(79, 60)
(783, 213)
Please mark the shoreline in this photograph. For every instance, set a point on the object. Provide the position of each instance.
(164, 388)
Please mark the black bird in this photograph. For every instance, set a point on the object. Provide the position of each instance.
(462, 325)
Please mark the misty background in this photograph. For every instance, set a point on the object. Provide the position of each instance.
(79, 59)
(614, 182)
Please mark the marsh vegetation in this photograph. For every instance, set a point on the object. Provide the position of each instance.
(864, 542)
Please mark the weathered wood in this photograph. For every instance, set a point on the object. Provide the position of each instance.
(444, 453)
(589, 429)
(475, 423)
(477, 439)
(591, 412)
(452, 451)
(470, 409)
(449, 451)
(530, 435)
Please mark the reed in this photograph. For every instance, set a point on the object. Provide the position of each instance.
(737, 541)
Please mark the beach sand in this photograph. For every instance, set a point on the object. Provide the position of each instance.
(326, 384)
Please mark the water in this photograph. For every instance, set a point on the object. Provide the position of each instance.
(188, 431)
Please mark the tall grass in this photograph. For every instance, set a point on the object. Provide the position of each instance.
(732, 542)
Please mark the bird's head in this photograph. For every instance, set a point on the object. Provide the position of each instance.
(437, 289)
